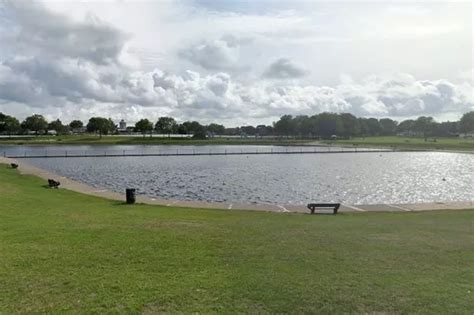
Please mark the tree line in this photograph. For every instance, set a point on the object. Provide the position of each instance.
(347, 125)
(323, 125)
(37, 124)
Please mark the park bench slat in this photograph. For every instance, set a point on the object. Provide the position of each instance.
(313, 206)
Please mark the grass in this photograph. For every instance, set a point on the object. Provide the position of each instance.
(63, 252)
(109, 140)
(409, 143)
(396, 142)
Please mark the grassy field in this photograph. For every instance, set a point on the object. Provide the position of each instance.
(91, 140)
(409, 143)
(396, 142)
(63, 252)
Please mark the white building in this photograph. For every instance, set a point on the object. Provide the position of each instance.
(122, 125)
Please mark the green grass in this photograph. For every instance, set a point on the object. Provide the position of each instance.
(92, 140)
(409, 143)
(63, 252)
(396, 142)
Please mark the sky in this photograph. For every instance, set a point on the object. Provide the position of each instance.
(235, 62)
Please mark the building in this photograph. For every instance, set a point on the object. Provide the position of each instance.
(122, 125)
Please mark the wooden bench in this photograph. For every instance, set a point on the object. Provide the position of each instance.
(313, 206)
(53, 184)
(14, 165)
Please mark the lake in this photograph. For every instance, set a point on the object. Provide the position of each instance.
(352, 178)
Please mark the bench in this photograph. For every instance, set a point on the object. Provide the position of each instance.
(313, 206)
(53, 184)
(14, 165)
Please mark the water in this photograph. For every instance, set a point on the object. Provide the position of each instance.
(82, 150)
(353, 178)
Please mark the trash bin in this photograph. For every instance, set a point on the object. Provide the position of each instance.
(130, 194)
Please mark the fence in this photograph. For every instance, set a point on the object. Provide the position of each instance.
(184, 152)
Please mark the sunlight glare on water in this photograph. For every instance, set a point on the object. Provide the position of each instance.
(355, 178)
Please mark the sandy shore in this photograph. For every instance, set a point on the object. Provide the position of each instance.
(66, 183)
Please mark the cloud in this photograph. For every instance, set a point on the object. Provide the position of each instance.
(284, 68)
(213, 55)
(37, 31)
(70, 69)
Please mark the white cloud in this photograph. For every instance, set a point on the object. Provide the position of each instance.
(68, 67)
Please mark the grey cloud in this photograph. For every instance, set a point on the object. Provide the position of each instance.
(35, 30)
(284, 68)
(219, 54)
(76, 73)
(212, 56)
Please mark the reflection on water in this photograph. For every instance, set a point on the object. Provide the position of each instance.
(288, 179)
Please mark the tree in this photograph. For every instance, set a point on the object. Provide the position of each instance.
(166, 125)
(76, 124)
(302, 125)
(9, 124)
(466, 124)
(144, 126)
(373, 126)
(447, 129)
(424, 125)
(181, 129)
(193, 127)
(100, 125)
(388, 126)
(406, 126)
(248, 130)
(36, 123)
(216, 129)
(199, 132)
(284, 126)
(57, 126)
(350, 124)
(330, 124)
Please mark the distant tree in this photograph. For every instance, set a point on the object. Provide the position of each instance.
(263, 130)
(9, 124)
(76, 124)
(330, 124)
(112, 126)
(144, 126)
(216, 129)
(363, 128)
(3, 117)
(424, 125)
(284, 126)
(193, 127)
(101, 126)
(446, 129)
(302, 125)
(466, 124)
(199, 132)
(350, 124)
(36, 123)
(406, 126)
(248, 130)
(166, 125)
(57, 126)
(388, 126)
(181, 129)
(373, 126)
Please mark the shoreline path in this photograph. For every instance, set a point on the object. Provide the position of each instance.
(66, 183)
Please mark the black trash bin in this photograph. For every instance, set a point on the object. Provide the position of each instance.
(130, 194)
